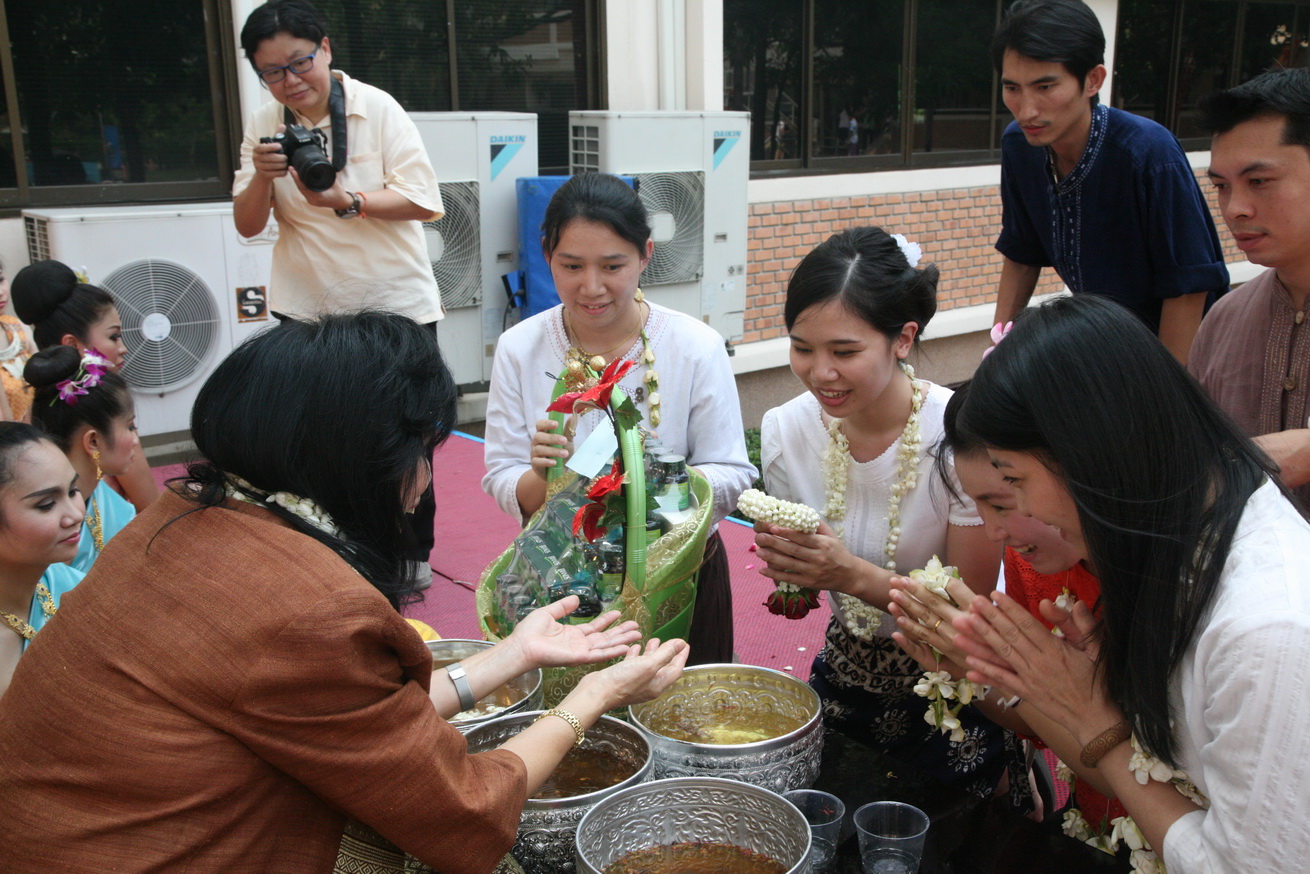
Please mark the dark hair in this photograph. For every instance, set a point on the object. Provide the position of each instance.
(14, 436)
(1053, 31)
(600, 198)
(1081, 384)
(340, 410)
(866, 270)
(1277, 92)
(300, 18)
(954, 442)
(48, 296)
(98, 408)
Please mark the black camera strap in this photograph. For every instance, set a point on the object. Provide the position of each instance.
(337, 110)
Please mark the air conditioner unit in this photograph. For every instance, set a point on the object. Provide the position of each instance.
(691, 170)
(189, 288)
(477, 156)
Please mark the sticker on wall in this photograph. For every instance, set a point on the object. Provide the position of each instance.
(503, 149)
(252, 304)
(724, 140)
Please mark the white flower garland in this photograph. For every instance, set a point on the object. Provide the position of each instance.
(862, 619)
(306, 509)
(1123, 830)
(937, 686)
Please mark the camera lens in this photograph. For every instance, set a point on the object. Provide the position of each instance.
(315, 170)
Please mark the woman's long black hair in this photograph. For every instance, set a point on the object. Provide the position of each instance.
(1159, 476)
(340, 410)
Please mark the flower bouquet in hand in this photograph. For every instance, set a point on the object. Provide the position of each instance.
(606, 504)
(946, 696)
(787, 599)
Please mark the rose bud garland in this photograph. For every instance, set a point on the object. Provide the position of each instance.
(787, 599)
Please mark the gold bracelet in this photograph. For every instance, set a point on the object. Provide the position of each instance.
(1104, 742)
(573, 721)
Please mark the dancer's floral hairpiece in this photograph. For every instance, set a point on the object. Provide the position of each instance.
(89, 373)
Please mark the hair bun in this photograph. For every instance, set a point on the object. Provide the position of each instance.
(51, 366)
(39, 289)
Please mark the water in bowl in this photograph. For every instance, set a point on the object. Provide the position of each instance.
(726, 725)
(583, 770)
(695, 857)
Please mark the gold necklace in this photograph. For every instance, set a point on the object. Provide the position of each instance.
(21, 628)
(93, 522)
(597, 361)
(582, 371)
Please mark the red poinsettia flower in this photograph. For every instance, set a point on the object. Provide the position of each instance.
(599, 394)
(589, 515)
(607, 484)
(587, 521)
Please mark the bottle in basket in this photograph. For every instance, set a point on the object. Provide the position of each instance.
(584, 587)
(610, 585)
(676, 488)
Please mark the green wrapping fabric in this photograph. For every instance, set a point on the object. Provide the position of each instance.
(659, 588)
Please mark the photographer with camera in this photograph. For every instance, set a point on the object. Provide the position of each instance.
(344, 171)
(342, 168)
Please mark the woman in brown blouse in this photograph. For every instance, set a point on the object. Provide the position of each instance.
(234, 678)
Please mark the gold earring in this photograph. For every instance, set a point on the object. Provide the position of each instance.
(95, 456)
(639, 296)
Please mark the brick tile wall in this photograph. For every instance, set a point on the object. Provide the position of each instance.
(957, 229)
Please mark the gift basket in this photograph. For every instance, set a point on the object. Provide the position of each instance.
(630, 538)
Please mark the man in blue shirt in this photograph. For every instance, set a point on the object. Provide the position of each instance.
(1105, 197)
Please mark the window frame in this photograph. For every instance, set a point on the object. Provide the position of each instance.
(221, 58)
(906, 158)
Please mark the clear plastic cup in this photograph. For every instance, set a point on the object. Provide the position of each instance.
(891, 837)
(824, 812)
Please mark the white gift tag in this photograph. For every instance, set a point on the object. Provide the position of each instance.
(595, 452)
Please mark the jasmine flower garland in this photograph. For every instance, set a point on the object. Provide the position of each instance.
(862, 619)
(938, 686)
(304, 508)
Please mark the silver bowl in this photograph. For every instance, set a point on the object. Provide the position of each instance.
(759, 700)
(708, 809)
(548, 825)
(526, 688)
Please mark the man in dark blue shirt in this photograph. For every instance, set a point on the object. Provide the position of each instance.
(1105, 197)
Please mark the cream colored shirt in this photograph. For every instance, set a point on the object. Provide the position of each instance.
(322, 263)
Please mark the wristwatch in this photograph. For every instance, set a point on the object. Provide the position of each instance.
(352, 211)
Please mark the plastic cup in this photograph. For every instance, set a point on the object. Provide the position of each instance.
(891, 837)
(824, 812)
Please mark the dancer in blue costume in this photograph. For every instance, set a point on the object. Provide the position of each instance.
(87, 410)
(40, 513)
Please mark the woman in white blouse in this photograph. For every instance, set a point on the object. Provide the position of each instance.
(1200, 655)
(597, 240)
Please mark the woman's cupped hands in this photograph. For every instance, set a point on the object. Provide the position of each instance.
(1006, 647)
(545, 641)
(812, 561)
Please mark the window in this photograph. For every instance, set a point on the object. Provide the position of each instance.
(1171, 53)
(835, 84)
(509, 55)
(112, 102)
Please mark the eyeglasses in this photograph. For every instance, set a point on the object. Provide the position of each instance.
(299, 66)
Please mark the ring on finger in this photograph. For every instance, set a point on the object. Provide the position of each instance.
(939, 622)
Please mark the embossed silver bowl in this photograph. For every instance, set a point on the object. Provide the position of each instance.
(525, 690)
(548, 825)
(704, 809)
(774, 717)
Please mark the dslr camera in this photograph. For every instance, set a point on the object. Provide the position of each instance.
(306, 150)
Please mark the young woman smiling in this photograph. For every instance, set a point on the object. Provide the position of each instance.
(1204, 625)
(854, 447)
(597, 239)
